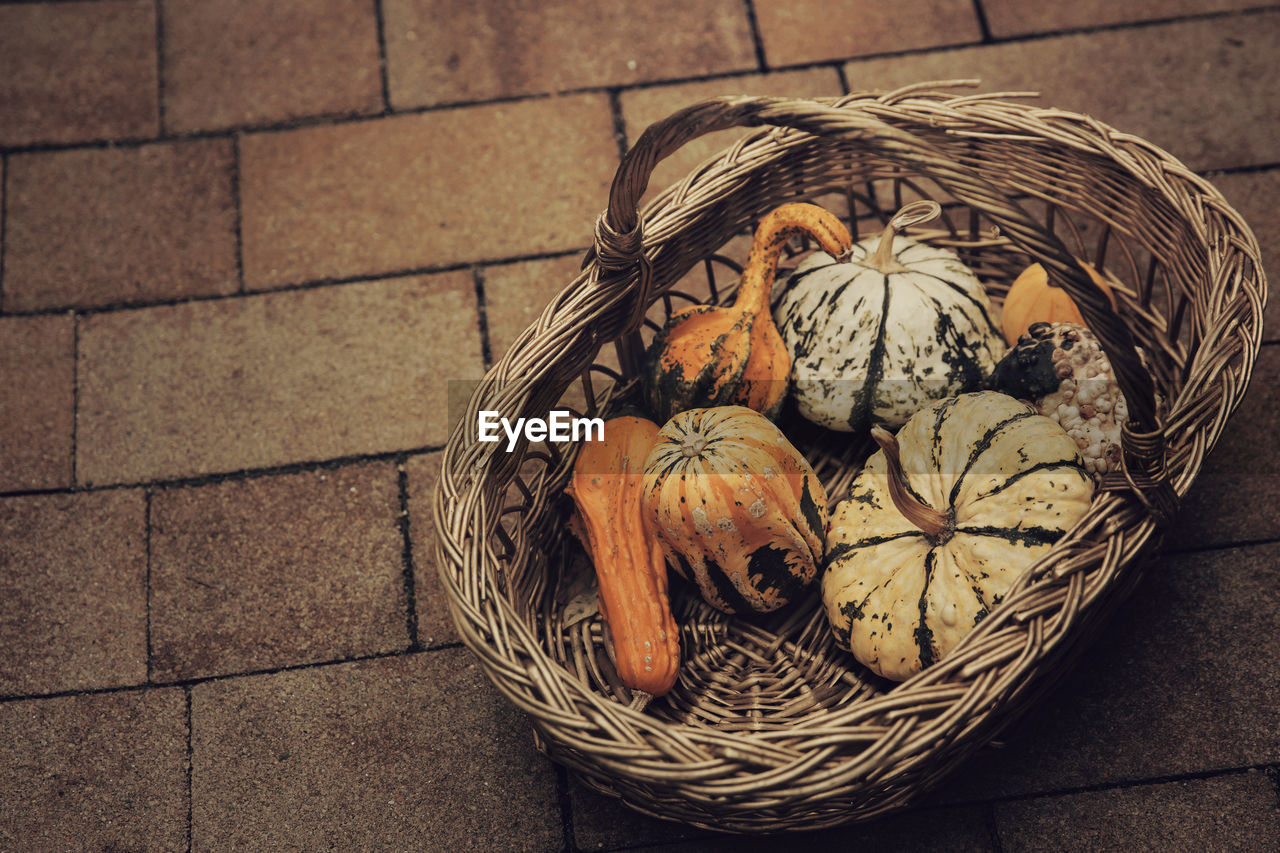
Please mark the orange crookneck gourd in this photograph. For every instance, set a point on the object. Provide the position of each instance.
(606, 487)
(711, 355)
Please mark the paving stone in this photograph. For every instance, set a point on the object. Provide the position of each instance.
(1251, 194)
(1235, 812)
(440, 52)
(37, 402)
(94, 772)
(72, 72)
(1199, 89)
(73, 592)
(799, 31)
(642, 107)
(272, 379)
(411, 191)
(435, 624)
(93, 227)
(276, 571)
(231, 63)
(1234, 497)
(955, 829)
(1011, 17)
(1182, 680)
(415, 752)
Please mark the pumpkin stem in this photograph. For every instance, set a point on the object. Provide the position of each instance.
(771, 236)
(938, 526)
(910, 214)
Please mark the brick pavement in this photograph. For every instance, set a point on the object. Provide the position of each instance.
(242, 247)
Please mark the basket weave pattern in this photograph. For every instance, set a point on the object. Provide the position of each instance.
(771, 726)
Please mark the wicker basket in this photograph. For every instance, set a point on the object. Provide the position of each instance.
(771, 726)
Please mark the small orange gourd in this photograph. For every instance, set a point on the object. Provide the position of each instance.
(606, 487)
(1032, 299)
(711, 355)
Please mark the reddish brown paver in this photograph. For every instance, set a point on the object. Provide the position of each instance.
(271, 379)
(799, 31)
(1122, 76)
(72, 72)
(94, 772)
(37, 402)
(1242, 471)
(1236, 812)
(231, 63)
(515, 295)
(642, 107)
(1012, 17)
(416, 752)
(1253, 194)
(442, 52)
(276, 571)
(433, 189)
(435, 625)
(1181, 680)
(98, 226)
(73, 592)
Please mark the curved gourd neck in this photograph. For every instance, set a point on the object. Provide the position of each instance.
(771, 238)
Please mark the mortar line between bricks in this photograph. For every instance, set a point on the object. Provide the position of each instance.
(566, 809)
(190, 767)
(75, 399)
(148, 494)
(160, 114)
(619, 123)
(195, 681)
(407, 564)
(233, 475)
(314, 284)
(482, 317)
(4, 216)
(238, 209)
(757, 38)
(1266, 767)
(380, 24)
(983, 25)
(993, 827)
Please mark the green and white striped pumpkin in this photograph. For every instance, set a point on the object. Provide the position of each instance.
(1003, 483)
(875, 338)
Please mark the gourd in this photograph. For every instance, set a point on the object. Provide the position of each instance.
(710, 355)
(737, 509)
(634, 601)
(940, 523)
(875, 338)
(1032, 299)
(1062, 370)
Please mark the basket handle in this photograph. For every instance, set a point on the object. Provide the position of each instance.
(620, 242)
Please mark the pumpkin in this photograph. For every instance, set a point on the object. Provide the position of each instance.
(1061, 369)
(629, 565)
(939, 524)
(878, 336)
(1032, 299)
(736, 508)
(711, 355)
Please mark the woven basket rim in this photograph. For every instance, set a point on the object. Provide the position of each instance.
(602, 738)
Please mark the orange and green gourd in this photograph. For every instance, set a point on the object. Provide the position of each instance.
(711, 355)
(737, 509)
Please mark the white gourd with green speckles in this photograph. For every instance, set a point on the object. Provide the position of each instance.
(1003, 484)
(873, 342)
